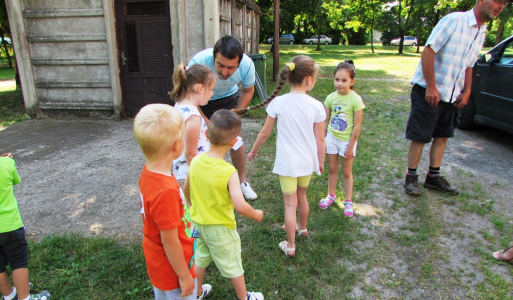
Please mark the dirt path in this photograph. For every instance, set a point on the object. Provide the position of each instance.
(79, 176)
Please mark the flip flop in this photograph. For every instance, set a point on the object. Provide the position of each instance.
(499, 255)
(300, 232)
(288, 251)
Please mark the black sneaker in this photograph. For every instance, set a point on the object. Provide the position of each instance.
(411, 185)
(439, 183)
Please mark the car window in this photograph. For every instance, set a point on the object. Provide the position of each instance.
(507, 56)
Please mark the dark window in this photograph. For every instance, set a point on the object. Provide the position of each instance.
(132, 51)
(156, 8)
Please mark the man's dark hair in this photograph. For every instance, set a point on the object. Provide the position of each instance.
(230, 47)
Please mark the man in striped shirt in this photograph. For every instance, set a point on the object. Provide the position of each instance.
(442, 83)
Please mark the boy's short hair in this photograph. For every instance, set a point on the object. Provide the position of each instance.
(156, 129)
(224, 126)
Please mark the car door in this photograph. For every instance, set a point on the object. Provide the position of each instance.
(495, 105)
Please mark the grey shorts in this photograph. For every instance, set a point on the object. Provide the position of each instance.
(426, 122)
(174, 294)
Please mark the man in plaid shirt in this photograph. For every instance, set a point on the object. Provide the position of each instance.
(442, 83)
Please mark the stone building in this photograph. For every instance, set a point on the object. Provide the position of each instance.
(108, 58)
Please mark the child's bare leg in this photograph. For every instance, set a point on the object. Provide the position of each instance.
(333, 174)
(240, 287)
(347, 171)
(303, 208)
(200, 276)
(290, 218)
(5, 285)
(20, 279)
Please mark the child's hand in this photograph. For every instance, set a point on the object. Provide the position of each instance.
(349, 153)
(251, 155)
(259, 215)
(7, 155)
(187, 286)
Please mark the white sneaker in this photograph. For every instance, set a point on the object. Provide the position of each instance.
(247, 191)
(255, 296)
(207, 288)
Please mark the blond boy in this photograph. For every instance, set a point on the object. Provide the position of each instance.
(167, 242)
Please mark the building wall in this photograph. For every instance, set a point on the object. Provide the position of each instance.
(67, 50)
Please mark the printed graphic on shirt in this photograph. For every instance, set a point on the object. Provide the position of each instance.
(339, 119)
(186, 216)
(142, 206)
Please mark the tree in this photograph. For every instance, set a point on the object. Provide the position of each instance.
(342, 15)
(503, 20)
(5, 29)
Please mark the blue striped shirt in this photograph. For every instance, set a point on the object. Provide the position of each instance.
(457, 41)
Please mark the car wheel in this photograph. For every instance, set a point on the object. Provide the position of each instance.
(414, 44)
(326, 43)
(311, 43)
(465, 116)
(291, 42)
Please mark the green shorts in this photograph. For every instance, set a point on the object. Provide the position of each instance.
(289, 184)
(221, 245)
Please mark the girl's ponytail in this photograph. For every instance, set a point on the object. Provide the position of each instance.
(179, 79)
(284, 75)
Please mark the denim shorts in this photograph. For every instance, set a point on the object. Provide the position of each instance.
(222, 245)
(426, 122)
(13, 250)
(175, 294)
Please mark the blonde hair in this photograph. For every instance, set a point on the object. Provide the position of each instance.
(184, 77)
(156, 128)
(224, 126)
(300, 66)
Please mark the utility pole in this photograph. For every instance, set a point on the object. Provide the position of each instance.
(276, 40)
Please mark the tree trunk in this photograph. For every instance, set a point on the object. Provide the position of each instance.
(401, 34)
(372, 31)
(504, 16)
(276, 42)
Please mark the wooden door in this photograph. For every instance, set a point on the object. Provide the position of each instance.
(144, 31)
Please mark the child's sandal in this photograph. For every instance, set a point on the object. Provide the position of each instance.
(288, 251)
(300, 232)
(348, 209)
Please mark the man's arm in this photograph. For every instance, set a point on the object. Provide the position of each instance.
(246, 96)
(462, 99)
(428, 69)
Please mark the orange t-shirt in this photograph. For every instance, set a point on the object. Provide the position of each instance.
(162, 208)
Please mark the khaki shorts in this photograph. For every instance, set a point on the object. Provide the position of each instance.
(221, 245)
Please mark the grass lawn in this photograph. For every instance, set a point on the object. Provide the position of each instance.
(340, 253)
(12, 108)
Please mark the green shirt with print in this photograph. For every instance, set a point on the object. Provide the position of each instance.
(342, 109)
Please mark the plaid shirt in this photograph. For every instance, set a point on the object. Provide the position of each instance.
(457, 42)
